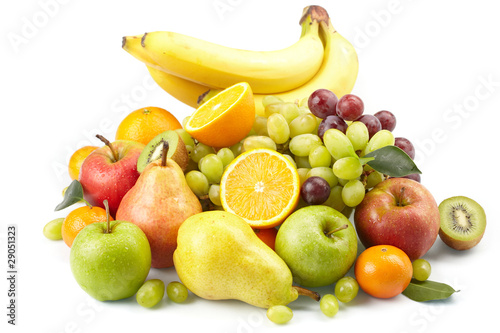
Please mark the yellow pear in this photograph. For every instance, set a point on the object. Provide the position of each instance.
(219, 256)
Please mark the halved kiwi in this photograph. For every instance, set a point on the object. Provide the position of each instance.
(153, 150)
(463, 222)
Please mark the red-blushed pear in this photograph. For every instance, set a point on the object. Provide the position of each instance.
(109, 172)
(159, 203)
(399, 212)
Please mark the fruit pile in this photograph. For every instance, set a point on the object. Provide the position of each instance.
(257, 186)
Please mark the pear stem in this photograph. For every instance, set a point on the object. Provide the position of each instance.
(107, 143)
(108, 229)
(164, 153)
(342, 227)
(306, 292)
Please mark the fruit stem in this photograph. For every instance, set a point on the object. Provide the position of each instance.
(107, 143)
(306, 292)
(342, 227)
(317, 13)
(401, 193)
(108, 229)
(164, 153)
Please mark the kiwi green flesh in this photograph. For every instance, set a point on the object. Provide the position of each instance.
(153, 149)
(463, 222)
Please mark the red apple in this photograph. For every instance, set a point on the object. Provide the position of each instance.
(399, 212)
(109, 172)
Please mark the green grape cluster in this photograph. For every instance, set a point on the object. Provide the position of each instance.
(292, 129)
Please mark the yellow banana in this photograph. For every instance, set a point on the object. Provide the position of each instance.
(218, 66)
(188, 92)
(185, 91)
(338, 72)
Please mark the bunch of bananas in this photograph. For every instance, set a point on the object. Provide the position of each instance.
(192, 70)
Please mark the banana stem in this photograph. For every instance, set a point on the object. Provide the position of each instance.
(309, 293)
(316, 13)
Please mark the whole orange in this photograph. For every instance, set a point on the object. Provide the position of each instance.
(268, 236)
(78, 219)
(383, 271)
(76, 160)
(144, 124)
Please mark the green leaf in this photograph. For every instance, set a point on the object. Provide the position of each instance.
(73, 194)
(422, 291)
(392, 161)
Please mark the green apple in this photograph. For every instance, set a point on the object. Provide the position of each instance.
(318, 244)
(110, 261)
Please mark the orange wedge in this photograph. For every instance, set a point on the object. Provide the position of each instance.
(261, 186)
(225, 119)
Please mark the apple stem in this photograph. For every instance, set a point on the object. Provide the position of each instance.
(306, 292)
(107, 143)
(342, 227)
(108, 229)
(164, 153)
(401, 193)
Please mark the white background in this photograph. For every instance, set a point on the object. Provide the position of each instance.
(67, 79)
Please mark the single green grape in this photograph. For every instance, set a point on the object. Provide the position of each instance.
(303, 172)
(237, 148)
(258, 141)
(302, 161)
(269, 109)
(185, 120)
(200, 150)
(52, 230)
(192, 165)
(260, 126)
(177, 292)
(212, 167)
(374, 178)
(150, 293)
(290, 111)
(325, 173)
(353, 193)
(303, 124)
(338, 144)
(320, 157)
(271, 99)
(346, 289)
(303, 144)
(329, 305)
(277, 128)
(279, 314)
(303, 109)
(335, 199)
(357, 133)
(214, 194)
(421, 269)
(343, 181)
(379, 140)
(197, 182)
(290, 158)
(347, 168)
(186, 138)
(226, 155)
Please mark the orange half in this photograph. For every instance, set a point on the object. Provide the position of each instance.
(262, 186)
(225, 119)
